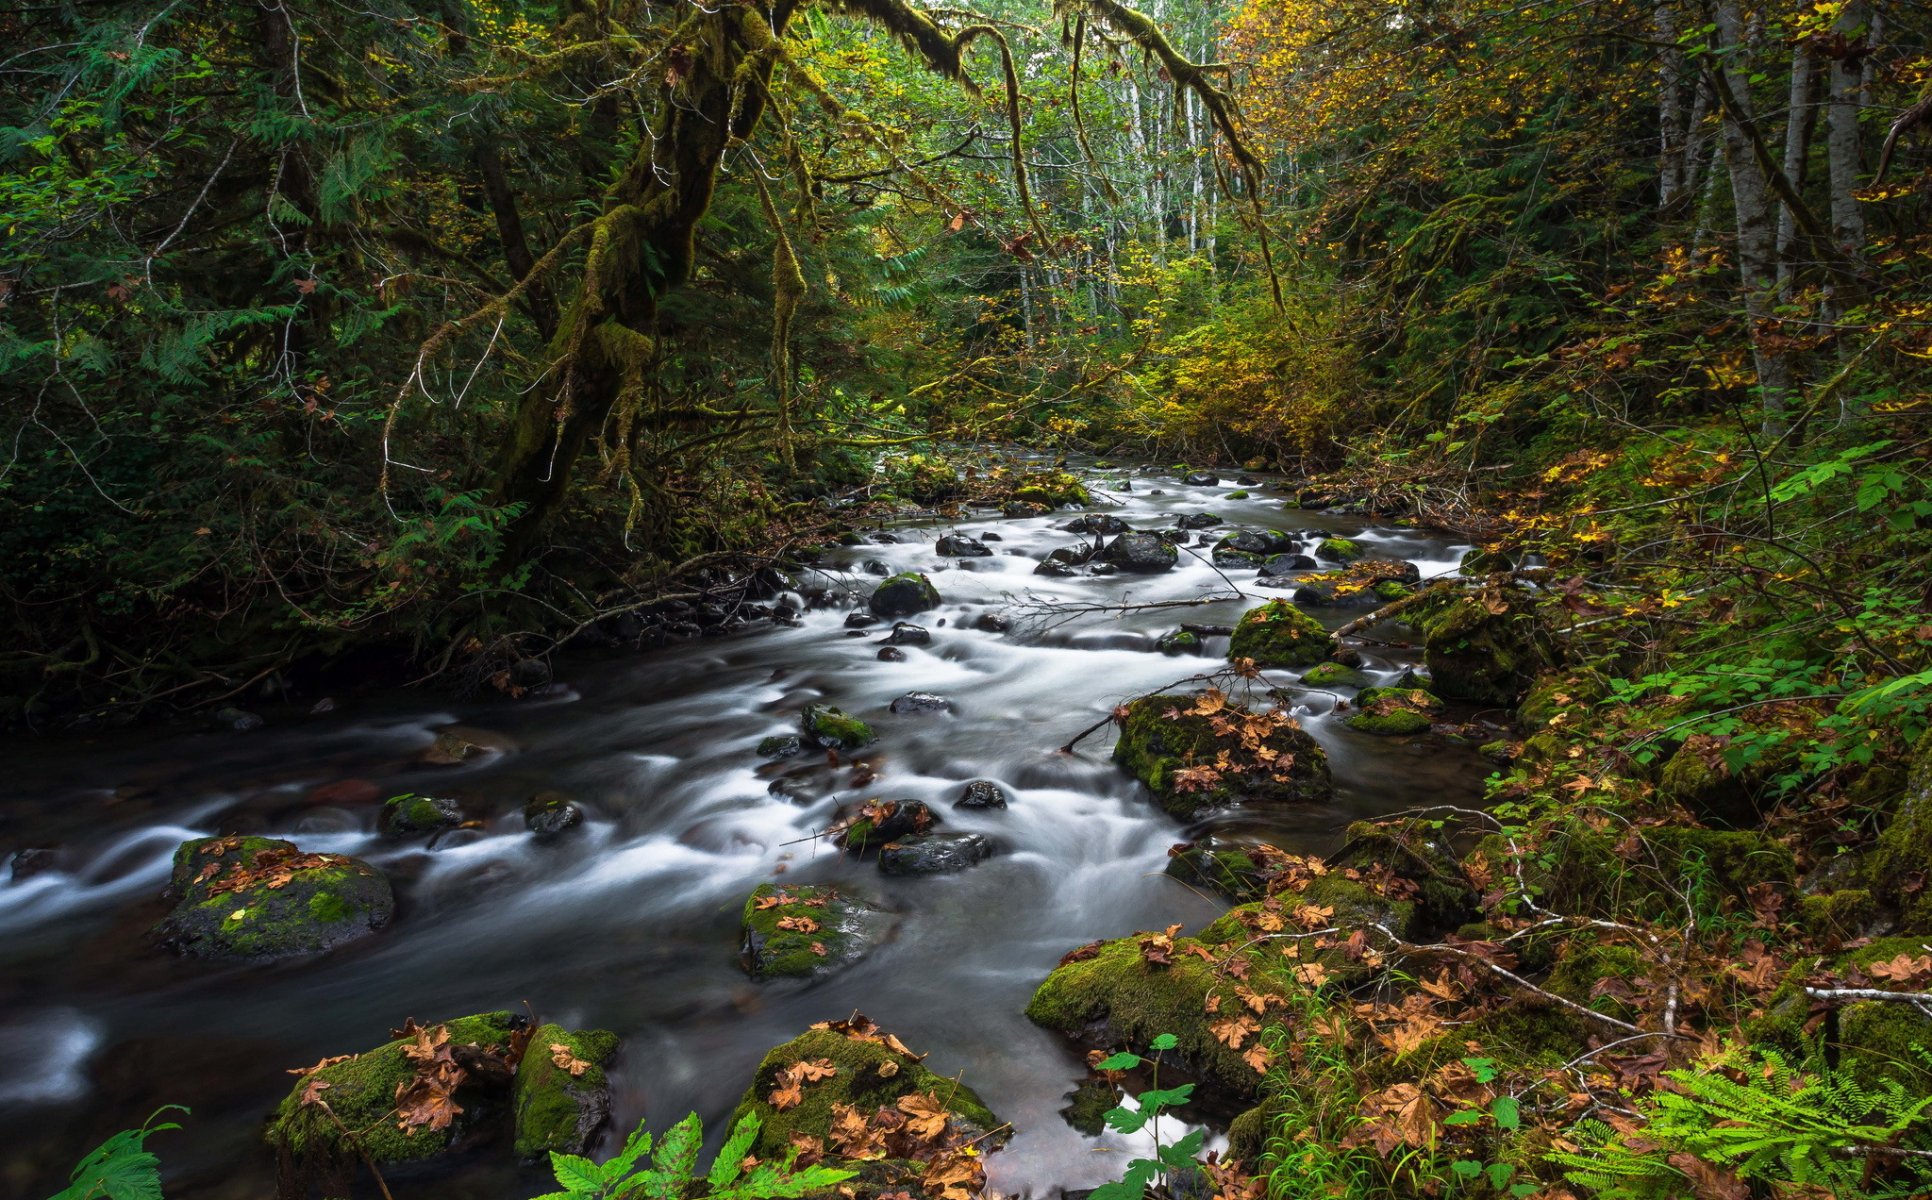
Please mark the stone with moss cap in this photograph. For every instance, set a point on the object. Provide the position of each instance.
(801, 930)
(561, 1098)
(867, 1075)
(1163, 737)
(1110, 995)
(1475, 654)
(1057, 489)
(361, 1095)
(1280, 635)
(1396, 722)
(409, 814)
(903, 595)
(1338, 549)
(1333, 674)
(1224, 867)
(261, 898)
(834, 728)
(1895, 870)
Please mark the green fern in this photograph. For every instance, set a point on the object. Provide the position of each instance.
(672, 1168)
(1805, 1125)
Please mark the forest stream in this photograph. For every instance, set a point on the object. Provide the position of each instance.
(631, 921)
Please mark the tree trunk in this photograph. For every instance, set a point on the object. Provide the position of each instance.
(1847, 83)
(1757, 225)
(1797, 147)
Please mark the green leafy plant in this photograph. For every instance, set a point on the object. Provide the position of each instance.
(1505, 1113)
(669, 1170)
(1176, 1157)
(1756, 1114)
(122, 1167)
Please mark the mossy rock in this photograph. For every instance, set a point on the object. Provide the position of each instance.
(1111, 997)
(1416, 698)
(1555, 692)
(362, 1097)
(1527, 1032)
(1478, 561)
(1391, 590)
(1240, 494)
(1411, 850)
(1333, 674)
(1401, 722)
(1280, 635)
(1713, 790)
(835, 729)
(553, 1110)
(1179, 641)
(1225, 868)
(1338, 549)
(780, 745)
(260, 898)
(1060, 489)
(1474, 654)
(869, 1075)
(1579, 870)
(1155, 749)
(1585, 965)
(410, 814)
(842, 930)
(903, 595)
(1841, 915)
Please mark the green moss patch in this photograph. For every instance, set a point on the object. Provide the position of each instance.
(261, 898)
(1168, 743)
(835, 729)
(561, 1097)
(802, 930)
(1278, 634)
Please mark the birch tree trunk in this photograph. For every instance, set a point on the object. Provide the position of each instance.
(1797, 146)
(1847, 85)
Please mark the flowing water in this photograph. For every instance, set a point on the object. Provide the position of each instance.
(630, 922)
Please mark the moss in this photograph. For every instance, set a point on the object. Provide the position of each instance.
(1057, 490)
(902, 595)
(1475, 654)
(835, 729)
(362, 1096)
(859, 1081)
(1180, 641)
(1407, 697)
(260, 898)
(1088, 1105)
(1526, 1032)
(1338, 549)
(554, 1110)
(1393, 589)
(1398, 723)
(1555, 692)
(410, 813)
(845, 929)
(1478, 561)
(1355, 905)
(1248, 1132)
(1712, 790)
(1838, 916)
(1898, 870)
(1231, 872)
(1280, 635)
(1154, 748)
(1583, 966)
(1412, 851)
(1241, 494)
(1334, 674)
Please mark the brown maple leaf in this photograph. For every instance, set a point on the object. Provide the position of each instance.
(957, 1176)
(567, 1061)
(925, 1116)
(1235, 1030)
(798, 924)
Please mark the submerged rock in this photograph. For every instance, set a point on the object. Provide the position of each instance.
(1143, 553)
(1174, 747)
(917, 703)
(982, 793)
(801, 929)
(1178, 641)
(891, 654)
(561, 1097)
(261, 898)
(903, 595)
(1280, 635)
(549, 813)
(462, 743)
(834, 729)
(1201, 478)
(410, 814)
(909, 635)
(781, 745)
(934, 854)
(1101, 524)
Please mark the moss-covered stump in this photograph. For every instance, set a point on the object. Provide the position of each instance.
(561, 1097)
(411, 814)
(802, 930)
(835, 729)
(1121, 994)
(261, 898)
(1409, 850)
(1898, 868)
(1174, 745)
(867, 1074)
(361, 1092)
(903, 595)
(1059, 489)
(1278, 634)
(1475, 654)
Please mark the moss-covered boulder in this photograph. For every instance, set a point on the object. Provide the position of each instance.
(1397, 722)
(1556, 693)
(261, 898)
(1640, 873)
(1121, 994)
(903, 595)
(1174, 745)
(1278, 634)
(1420, 699)
(360, 1123)
(1058, 489)
(1474, 653)
(1338, 549)
(876, 823)
(561, 1097)
(801, 930)
(1333, 674)
(1393, 711)
(1224, 867)
(1413, 851)
(834, 729)
(867, 1074)
(1179, 641)
(1704, 776)
(410, 814)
